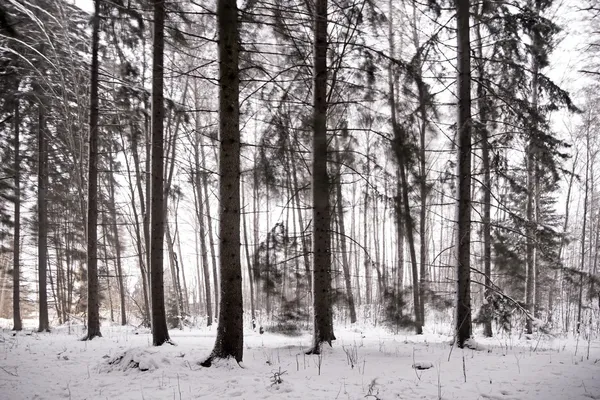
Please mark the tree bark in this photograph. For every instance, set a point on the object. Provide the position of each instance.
(482, 105)
(323, 314)
(115, 231)
(17, 322)
(93, 306)
(248, 261)
(583, 232)
(368, 265)
(44, 324)
(230, 338)
(202, 232)
(160, 333)
(342, 239)
(463, 239)
(139, 242)
(210, 232)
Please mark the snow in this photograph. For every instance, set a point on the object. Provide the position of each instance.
(364, 363)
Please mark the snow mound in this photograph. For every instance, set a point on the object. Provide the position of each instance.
(472, 344)
(142, 359)
(422, 365)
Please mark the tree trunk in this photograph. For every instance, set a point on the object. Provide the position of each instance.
(202, 235)
(230, 337)
(532, 196)
(583, 232)
(342, 239)
(93, 306)
(17, 322)
(107, 276)
(482, 105)
(160, 333)
(368, 266)
(248, 261)
(185, 295)
(44, 324)
(115, 231)
(561, 246)
(174, 275)
(400, 149)
(323, 314)
(463, 239)
(210, 232)
(137, 231)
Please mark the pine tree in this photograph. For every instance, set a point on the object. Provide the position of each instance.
(230, 335)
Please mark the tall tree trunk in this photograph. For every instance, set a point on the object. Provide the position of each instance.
(17, 323)
(463, 238)
(368, 262)
(303, 231)
(107, 276)
(210, 232)
(248, 260)
(44, 324)
(174, 275)
(323, 313)
(139, 242)
(115, 231)
(342, 239)
(202, 232)
(230, 337)
(561, 246)
(93, 301)
(532, 196)
(400, 150)
(583, 233)
(160, 333)
(482, 106)
(186, 296)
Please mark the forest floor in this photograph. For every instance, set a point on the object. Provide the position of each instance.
(372, 364)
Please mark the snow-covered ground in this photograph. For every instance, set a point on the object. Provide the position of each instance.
(371, 364)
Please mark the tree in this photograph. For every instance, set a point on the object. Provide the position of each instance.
(321, 278)
(463, 239)
(160, 332)
(230, 332)
(17, 323)
(44, 323)
(93, 313)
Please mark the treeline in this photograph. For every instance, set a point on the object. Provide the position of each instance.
(144, 140)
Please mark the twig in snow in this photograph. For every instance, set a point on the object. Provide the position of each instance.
(9, 372)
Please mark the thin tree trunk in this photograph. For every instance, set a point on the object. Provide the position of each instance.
(105, 250)
(202, 232)
(342, 239)
(368, 266)
(17, 322)
(400, 149)
(174, 275)
(186, 296)
(482, 106)
(248, 259)
(44, 324)
(115, 231)
(583, 233)
(138, 234)
(561, 246)
(210, 231)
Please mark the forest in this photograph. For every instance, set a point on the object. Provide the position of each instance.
(300, 167)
